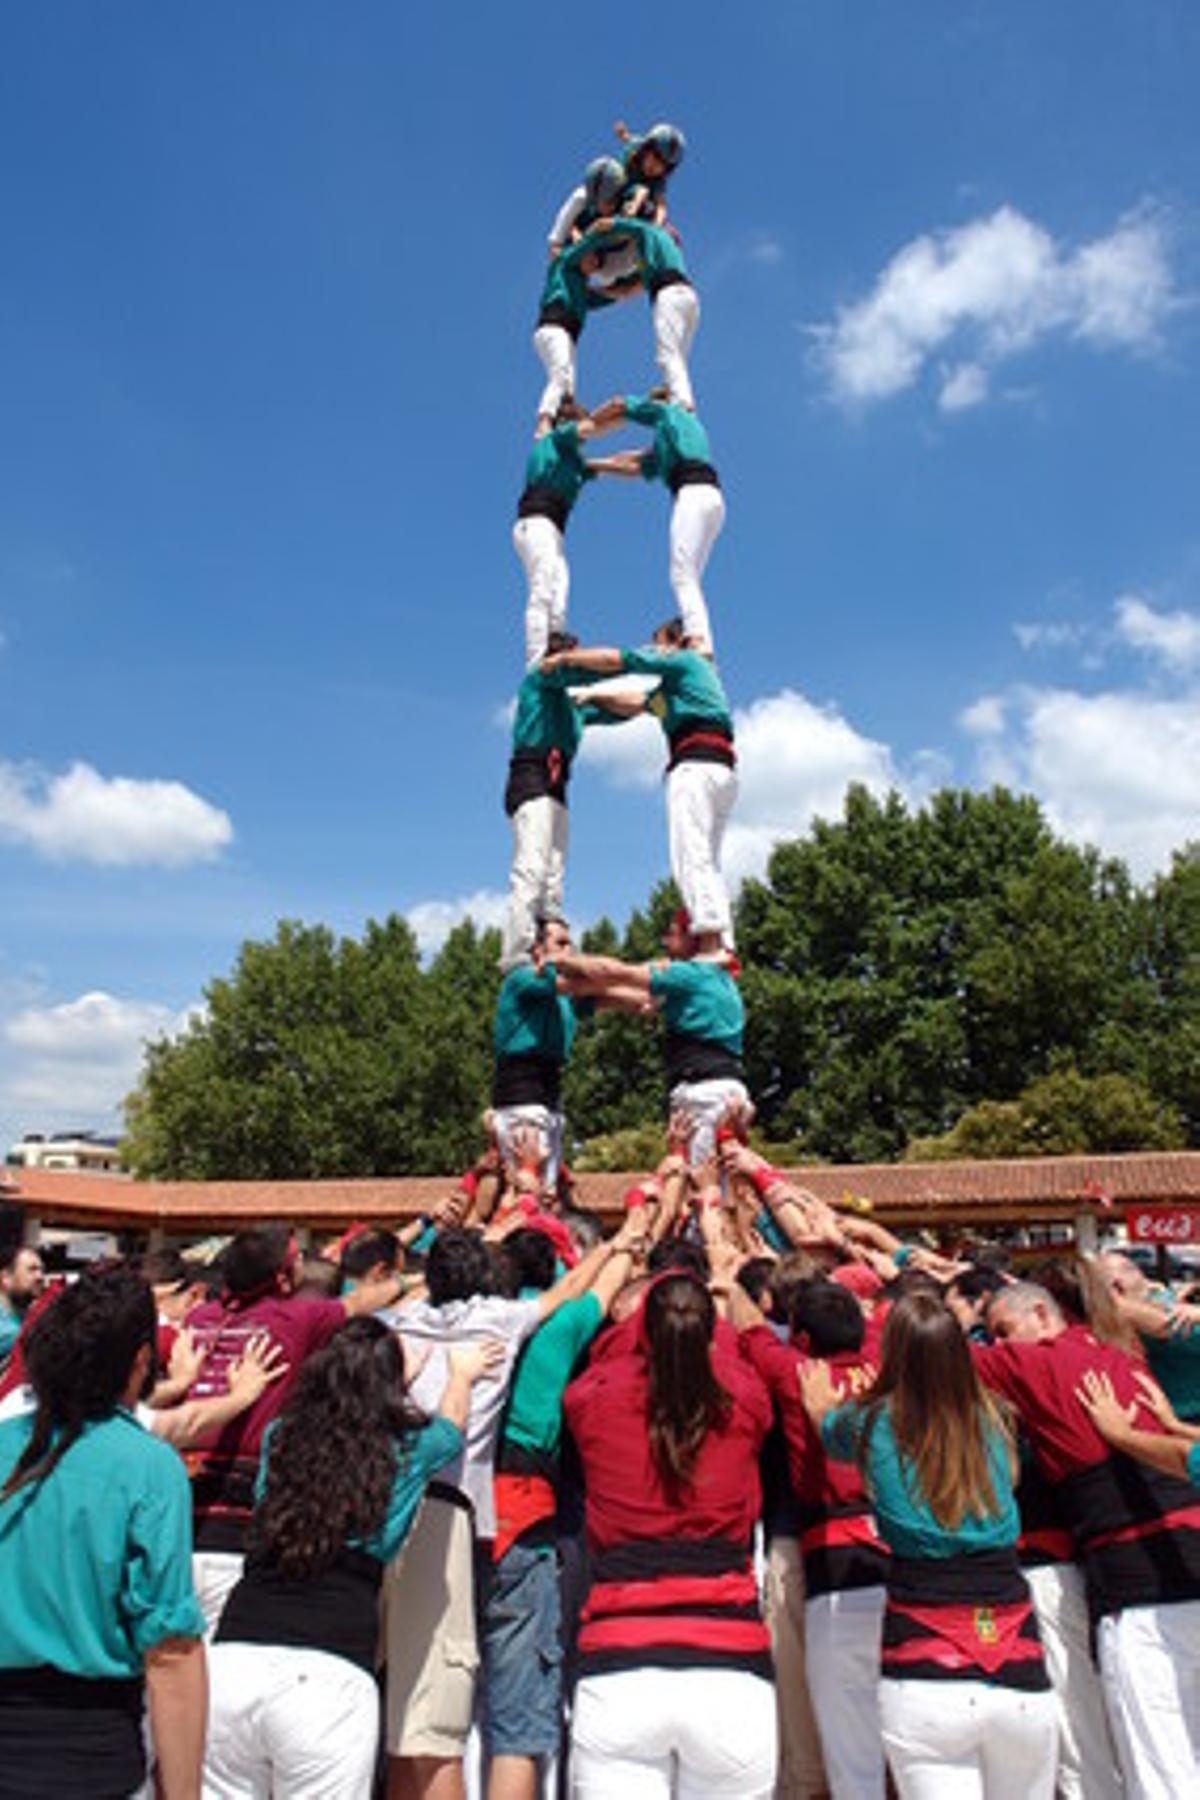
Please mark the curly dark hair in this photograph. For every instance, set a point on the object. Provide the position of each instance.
(79, 1356)
(334, 1452)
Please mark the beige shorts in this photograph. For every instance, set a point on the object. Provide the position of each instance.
(429, 1635)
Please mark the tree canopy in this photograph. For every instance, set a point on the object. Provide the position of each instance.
(904, 970)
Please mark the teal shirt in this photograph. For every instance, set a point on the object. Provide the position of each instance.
(905, 1522)
(689, 688)
(658, 253)
(10, 1329)
(532, 1017)
(1175, 1365)
(566, 285)
(546, 717)
(96, 1560)
(1193, 1465)
(678, 436)
(700, 1000)
(556, 462)
(534, 1416)
(420, 1457)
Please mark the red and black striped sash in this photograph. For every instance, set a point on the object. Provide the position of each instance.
(962, 1618)
(676, 1603)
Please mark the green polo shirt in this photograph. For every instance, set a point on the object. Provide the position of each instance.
(96, 1560)
(689, 688)
(532, 1017)
(546, 717)
(658, 253)
(556, 462)
(534, 1415)
(700, 1000)
(566, 284)
(679, 436)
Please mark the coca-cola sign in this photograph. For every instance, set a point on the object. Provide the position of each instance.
(1163, 1225)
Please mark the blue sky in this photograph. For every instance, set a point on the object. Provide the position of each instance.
(269, 279)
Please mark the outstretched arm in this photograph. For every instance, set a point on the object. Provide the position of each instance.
(599, 661)
(600, 974)
(625, 462)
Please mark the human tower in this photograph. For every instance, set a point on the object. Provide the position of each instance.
(611, 241)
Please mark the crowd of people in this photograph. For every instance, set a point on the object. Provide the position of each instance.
(748, 1498)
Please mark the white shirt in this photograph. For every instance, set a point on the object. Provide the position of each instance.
(428, 1333)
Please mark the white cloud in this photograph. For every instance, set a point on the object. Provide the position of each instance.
(432, 921)
(73, 1063)
(988, 290)
(795, 761)
(1043, 636)
(1173, 638)
(1120, 769)
(965, 386)
(985, 717)
(108, 820)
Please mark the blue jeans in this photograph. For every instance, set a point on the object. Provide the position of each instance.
(521, 1649)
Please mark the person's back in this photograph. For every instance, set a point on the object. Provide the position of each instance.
(95, 1568)
(673, 1652)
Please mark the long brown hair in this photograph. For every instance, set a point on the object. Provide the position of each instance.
(685, 1401)
(941, 1416)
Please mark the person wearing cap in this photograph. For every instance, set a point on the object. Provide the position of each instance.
(682, 460)
(604, 193)
(695, 990)
(583, 275)
(650, 159)
(701, 781)
(548, 726)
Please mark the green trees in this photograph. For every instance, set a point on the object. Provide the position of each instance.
(954, 970)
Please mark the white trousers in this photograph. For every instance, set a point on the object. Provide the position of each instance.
(287, 1724)
(548, 1125)
(535, 882)
(673, 1734)
(842, 1634)
(801, 1774)
(556, 350)
(539, 544)
(1150, 1668)
(1087, 1757)
(700, 797)
(676, 316)
(696, 520)
(215, 1574)
(968, 1740)
(705, 1104)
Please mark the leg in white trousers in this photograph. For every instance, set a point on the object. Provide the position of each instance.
(1087, 1757)
(842, 1634)
(215, 1574)
(556, 350)
(673, 1734)
(696, 520)
(539, 544)
(548, 1125)
(535, 883)
(676, 316)
(1150, 1667)
(700, 797)
(288, 1724)
(706, 1103)
(968, 1740)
